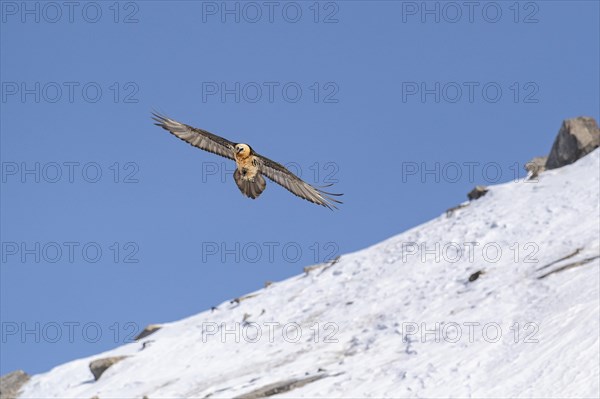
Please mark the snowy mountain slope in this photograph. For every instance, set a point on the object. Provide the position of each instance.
(370, 304)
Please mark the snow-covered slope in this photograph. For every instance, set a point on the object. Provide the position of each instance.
(368, 306)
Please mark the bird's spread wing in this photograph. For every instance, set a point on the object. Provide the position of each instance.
(196, 137)
(282, 176)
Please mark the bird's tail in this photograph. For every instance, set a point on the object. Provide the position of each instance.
(250, 188)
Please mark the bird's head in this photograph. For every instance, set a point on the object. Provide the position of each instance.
(242, 150)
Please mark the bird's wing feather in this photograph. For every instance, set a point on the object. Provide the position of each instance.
(282, 176)
(197, 137)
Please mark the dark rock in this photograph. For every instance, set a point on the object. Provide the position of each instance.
(477, 192)
(11, 383)
(149, 330)
(576, 138)
(99, 366)
(335, 260)
(475, 275)
(146, 344)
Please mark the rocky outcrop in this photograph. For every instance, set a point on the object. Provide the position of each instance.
(149, 330)
(99, 366)
(11, 383)
(570, 266)
(536, 166)
(280, 387)
(477, 192)
(576, 138)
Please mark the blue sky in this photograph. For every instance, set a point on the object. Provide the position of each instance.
(109, 223)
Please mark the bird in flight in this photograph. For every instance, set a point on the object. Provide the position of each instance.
(251, 166)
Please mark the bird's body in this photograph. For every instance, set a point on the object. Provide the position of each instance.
(250, 166)
(247, 175)
(246, 162)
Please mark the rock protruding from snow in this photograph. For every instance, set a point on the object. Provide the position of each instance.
(477, 192)
(149, 330)
(576, 138)
(99, 366)
(11, 383)
(536, 166)
(475, 275)
(280, 387)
